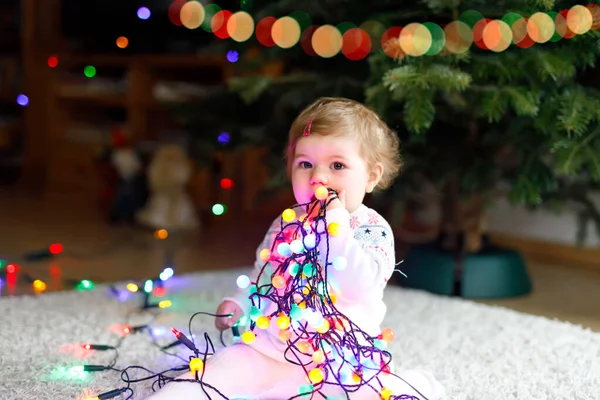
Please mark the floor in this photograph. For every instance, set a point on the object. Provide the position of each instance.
(97, 251)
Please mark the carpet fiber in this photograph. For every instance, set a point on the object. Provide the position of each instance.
(478, 352)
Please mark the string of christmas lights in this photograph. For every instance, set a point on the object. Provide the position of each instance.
(330, 348)
(12, 270)
(415, 39)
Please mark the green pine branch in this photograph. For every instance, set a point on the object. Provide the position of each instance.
(573, 113)
(419, 110)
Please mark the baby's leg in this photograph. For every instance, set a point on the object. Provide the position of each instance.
(417, 383)
(237, 371)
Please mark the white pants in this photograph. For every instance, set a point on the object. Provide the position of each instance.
(240, 372)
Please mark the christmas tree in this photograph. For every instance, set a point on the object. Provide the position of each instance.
(499, 92)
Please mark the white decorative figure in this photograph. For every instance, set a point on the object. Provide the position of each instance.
(169, 206)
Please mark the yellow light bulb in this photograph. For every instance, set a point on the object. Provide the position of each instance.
(165, 304)
(332, 298)
(318, 357)
(321, 193)
(283, 322)
(385, 393)
(39, 286)
(132, 287)
(265, 254)
(288, 215)
(248, 337)
(316, 376)
(263, 322)
(324, 327)
(196, 365)
(333, 228)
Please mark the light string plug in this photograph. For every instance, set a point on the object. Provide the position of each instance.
(111, 394)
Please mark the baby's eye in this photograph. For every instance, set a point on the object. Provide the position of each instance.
(338, 166)
(305, 165)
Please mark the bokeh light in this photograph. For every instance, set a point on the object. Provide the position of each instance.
(306, 40)
(175, 12)
(122, 42)
(226, 183)
(143, 13)
(562, 28)
(438, 38)
(52, 61)
(356, 44)
(22, 100)
(415, 39)
(286, 32)
(540, 27)
(579, 19)
(263, 31)
(497, 35)
(233, 56)
(191, 14)
(595, 12)
(478, 33)
(555, 36)
(327, 41)
(374, 29)
(219, 24)
(55, 248)
(240, 26)
(223, 137)
(520, 34)
(459, 37)
(218, 209)
(89, 71)
(161, 234)
(390, 42)
(209, 12)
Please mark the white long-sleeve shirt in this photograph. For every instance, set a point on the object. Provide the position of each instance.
(366, 241)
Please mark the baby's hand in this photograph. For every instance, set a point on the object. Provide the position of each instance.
(339, 202)
(332, 201)
(227, 308)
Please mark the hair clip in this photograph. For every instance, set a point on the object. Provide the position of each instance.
(307, 129)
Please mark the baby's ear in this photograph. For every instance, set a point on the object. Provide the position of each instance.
(375, 175)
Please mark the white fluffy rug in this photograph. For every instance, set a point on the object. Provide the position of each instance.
(478, 352)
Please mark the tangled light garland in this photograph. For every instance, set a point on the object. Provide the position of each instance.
(329, 347)
(415, 39)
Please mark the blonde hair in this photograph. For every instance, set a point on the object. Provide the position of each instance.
(338, 116)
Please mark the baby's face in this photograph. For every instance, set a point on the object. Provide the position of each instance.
(334, 161)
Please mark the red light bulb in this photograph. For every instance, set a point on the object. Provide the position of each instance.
(52, 61)
(226, 183)
(56, 248)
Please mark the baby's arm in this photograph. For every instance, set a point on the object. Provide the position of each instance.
(368, 251)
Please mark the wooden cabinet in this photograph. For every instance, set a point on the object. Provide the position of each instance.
(82, 98)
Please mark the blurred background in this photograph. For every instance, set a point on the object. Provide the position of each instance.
(141, 135)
